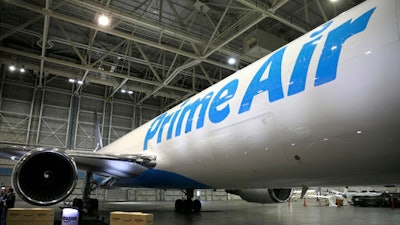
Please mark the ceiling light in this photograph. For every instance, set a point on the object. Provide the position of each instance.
(71, 80)
(231, 61)
(12, 68)
(103, 20)
(130, 92)
(80, 82)
(334, 1)
(22, 70)
(123, 91)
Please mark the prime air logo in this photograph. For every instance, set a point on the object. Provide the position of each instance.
(215, 106)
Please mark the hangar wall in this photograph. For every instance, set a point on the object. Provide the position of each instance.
(57, 115)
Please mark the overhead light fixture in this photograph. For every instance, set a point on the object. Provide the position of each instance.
(71, 80)
(231, 61)
(12, 68)
(103, 20)
(80, 82)
(333, 1)
(126, 91)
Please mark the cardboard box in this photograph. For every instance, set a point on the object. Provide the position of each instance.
(19, 214)
(42, 223)
(30, 216)
(19, 223)
(131, 218)
(43, 214)
(142, 218)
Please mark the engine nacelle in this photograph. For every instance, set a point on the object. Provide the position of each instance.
(264, 195)
(45, 176)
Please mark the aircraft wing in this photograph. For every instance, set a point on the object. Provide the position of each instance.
(13, 152)
(114, 165)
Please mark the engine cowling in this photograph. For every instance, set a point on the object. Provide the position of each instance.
(45, 176)
(263, 195)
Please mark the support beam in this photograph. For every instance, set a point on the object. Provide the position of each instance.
(306, 15)
(26, 24)
(20, 27)
(216, 28)
(270, 13)
(44, 42)
(323, 14)
(148, 61)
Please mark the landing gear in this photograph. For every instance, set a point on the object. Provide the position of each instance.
(188, 205)
(87, 204)
(90, 207)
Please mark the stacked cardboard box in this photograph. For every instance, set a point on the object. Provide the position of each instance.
(30, 216)
(131, 218)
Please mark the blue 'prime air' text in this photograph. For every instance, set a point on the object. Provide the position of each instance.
(211, 102)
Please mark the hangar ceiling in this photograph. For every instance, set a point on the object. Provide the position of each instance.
(164, 51)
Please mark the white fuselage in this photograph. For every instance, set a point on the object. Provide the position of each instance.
(322, 110)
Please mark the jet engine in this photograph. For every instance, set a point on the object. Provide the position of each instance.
(44, 176)
(264, 195)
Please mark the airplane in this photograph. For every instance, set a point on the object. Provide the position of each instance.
(346, 196)
(349, 195)
(322, 110)
(330, 200)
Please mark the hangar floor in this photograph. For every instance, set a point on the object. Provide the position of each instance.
(239, 213)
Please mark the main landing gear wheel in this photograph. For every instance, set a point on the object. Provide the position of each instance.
(179, 205)
(91, 206)
(188, 205)
(77, 203)
(196, 206)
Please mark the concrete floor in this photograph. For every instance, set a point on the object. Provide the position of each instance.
(243, 213)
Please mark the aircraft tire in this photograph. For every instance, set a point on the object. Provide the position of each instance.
(93, 206)
(179, 205)
(187, 206)
(196, 206)
(77, 203)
